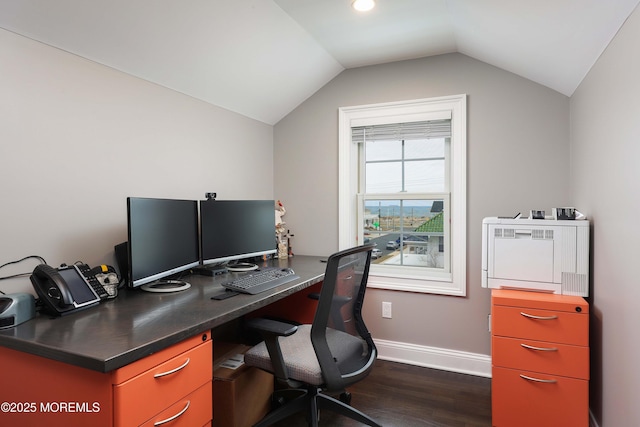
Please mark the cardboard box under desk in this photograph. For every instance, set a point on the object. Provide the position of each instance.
(241, 396)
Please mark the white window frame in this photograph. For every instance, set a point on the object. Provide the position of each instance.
(454, 107)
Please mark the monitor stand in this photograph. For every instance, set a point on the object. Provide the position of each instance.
(166, 286)
(241, 266)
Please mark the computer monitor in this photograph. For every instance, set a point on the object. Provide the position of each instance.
(163, 238)
(236, 230)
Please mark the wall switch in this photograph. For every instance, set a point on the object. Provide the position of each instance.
(386, 310)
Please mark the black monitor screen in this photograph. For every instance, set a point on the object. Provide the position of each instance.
(236, 229)
(163, 238)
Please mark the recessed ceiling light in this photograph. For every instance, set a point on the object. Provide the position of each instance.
(363, 5)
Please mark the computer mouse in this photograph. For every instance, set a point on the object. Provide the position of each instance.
(288, 270)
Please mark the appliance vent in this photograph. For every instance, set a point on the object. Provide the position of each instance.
(542, 234)
(575, 284)
(509, 233)
(537, 234)
(497, 232)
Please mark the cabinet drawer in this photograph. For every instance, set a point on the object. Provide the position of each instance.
(540, 356)
(192, 410)
(521, 402)
(136, 368)
(162, 385)
(541, 325)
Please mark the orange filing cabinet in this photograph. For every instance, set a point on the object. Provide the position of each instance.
(540, 359)
(172, 387)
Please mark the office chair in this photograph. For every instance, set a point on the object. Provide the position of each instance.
(326, 356)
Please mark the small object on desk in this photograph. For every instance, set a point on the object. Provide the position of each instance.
(289, 248)
(109, 282)
(16, 308)
(224, 295)
(283, 250)
(209, 270)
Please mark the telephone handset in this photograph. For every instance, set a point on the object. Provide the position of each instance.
(66, 289)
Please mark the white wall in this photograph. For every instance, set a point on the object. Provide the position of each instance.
(77, 138)
(518, 157)
(605, 173)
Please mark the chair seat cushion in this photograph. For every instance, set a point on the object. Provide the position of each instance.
(300, 357)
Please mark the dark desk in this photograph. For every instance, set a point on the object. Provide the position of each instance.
(137, 323)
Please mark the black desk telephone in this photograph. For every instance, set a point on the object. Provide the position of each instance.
(68, 288)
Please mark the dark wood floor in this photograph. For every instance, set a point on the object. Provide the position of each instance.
(399, 395)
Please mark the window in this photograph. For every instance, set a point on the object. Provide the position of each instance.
(402, 186)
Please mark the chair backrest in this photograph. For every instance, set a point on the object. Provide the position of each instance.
(342, 343)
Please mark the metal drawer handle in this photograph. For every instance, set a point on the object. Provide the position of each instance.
(530, 347)
(538, 380)
(159, 423)
(173, 371)
(531, 316)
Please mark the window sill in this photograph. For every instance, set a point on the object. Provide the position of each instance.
(423, 286)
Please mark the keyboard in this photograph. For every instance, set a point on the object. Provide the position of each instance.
(261, 280)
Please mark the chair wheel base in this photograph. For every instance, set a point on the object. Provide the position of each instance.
(345, 398)
(277, 402)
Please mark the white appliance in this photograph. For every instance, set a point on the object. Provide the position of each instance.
(536, 254)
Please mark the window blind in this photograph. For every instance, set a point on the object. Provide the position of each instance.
(402, 131)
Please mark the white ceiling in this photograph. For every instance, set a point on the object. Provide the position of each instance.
(262, 58)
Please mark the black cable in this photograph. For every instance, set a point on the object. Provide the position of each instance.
(24, 259)
(15, 275)
(19, 261)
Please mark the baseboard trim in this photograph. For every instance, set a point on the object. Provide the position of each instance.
(433, 357)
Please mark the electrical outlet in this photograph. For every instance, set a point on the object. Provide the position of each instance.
(386, 310)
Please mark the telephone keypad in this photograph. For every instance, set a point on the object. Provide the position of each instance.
(95, 283)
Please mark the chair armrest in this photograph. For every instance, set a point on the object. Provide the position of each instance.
(271, 330)
(271, 327)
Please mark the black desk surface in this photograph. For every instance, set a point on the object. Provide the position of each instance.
(138, 323)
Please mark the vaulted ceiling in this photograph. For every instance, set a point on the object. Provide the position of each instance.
(262, 58)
